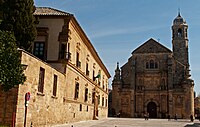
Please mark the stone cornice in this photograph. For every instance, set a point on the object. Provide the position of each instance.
(89, 45)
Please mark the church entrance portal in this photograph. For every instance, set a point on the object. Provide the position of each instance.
(152, 109)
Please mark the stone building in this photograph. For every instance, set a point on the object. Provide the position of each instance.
(66, 79)
(156, 80)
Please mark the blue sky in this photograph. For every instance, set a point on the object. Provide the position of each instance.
(117, 27)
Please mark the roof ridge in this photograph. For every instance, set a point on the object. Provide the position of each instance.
(50, 11)
(149, 40)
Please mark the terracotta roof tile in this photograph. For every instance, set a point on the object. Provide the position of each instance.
(49, 11)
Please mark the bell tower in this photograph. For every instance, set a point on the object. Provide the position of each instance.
(116, 87)
(180, 40)
(182, 73)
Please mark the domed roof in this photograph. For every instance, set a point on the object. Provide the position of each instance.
(179, 20)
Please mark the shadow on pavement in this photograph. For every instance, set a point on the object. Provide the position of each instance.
(193, 125)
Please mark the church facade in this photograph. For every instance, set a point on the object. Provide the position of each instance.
(156, 80)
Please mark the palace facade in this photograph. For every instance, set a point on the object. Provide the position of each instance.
(66, 81)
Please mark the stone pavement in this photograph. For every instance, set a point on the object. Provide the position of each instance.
(133, 122)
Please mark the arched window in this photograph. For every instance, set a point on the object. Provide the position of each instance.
(151, 64)
(179, 32)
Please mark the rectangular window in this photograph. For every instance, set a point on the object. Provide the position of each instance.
(102, 101)
(76, 90)
(80, 107)
(78, 63)
(39, 50)
(87, 108)
(41, 80)
(106, 102)
(103, 82)
(93, 97)
(55, 85)
(87, 70)
(86, 94)
(93, 75)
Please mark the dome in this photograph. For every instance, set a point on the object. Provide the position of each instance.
(179, 20)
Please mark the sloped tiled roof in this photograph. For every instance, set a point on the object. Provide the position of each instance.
(47, 11)
(50, 11)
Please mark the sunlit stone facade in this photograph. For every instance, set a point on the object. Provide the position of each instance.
(66, 78)
(156, 80)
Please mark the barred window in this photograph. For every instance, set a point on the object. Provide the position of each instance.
(87, 69)
(41, 80)
(86, 94)
(55, 85)
(93, 97)
(102, 101)
(76, 90)
(106, 102)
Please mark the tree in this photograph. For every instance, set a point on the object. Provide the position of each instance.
(18, 17)
(11, 70)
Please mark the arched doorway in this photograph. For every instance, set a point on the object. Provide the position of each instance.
(152, 110)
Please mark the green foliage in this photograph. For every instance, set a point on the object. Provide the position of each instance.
(11, 71)
(18, 18)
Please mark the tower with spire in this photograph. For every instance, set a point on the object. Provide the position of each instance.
(117, 79)
(156, 80)
(180, 40)
(116, 87)
(181, 76)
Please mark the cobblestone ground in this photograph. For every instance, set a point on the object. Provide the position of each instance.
(128, 122)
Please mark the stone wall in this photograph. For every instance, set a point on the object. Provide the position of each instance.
(43, 108)
(8, 102)
(46, 109)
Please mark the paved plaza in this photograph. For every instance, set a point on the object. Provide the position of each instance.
(128, 122)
